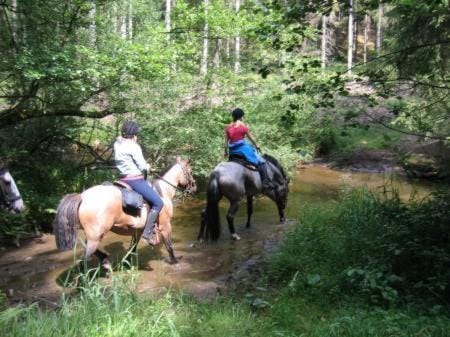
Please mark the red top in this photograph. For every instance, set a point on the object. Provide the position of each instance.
(236, 133)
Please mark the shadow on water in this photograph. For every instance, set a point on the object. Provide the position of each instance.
(37, 271)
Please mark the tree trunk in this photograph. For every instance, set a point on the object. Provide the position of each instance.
(123, 22)
(237, 45)
(324, 41)
(204, 61)
(167, 18)
(14, 23)
(355, 31)
(379, 27)
(130, 20)
(366, 35)
(216, 60)
(350, 38)
(92, 24)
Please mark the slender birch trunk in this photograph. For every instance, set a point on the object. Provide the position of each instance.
(355, 31)
(216, 59)
(366, 35)
(130, 20)
(204, 61)
(350, 38)
(324, 41)
(123, 22)
(167, 18)
(379, 27)
(237, 45)
(14, 23)
(92, 24)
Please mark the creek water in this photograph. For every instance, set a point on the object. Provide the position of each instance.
(35, 271)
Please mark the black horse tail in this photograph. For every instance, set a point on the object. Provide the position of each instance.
(67, 221)
(211, 216)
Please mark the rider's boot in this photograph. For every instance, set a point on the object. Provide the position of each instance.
(265, 181)
(147, 234)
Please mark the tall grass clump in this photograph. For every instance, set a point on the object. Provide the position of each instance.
(99, 310)
(119, 309)
(373, 247)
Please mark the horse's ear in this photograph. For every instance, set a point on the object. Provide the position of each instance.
(178, 159)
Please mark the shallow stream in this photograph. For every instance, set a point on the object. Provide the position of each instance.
(34, 272)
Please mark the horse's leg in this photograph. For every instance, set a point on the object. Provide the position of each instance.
(234, 206)
(167, 237)
(104, 259)
(249, 209)
(201, 233)
(91, 248)
(281, 208)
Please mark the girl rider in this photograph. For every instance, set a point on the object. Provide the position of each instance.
(131, 164)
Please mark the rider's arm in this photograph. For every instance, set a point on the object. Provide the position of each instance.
(138, 158)
(225, 146)
(252, 139)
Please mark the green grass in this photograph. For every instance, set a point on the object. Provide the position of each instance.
(349, 139)
(346, 270)
(120, 312)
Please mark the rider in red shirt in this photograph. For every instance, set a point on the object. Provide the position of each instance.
(235, 144)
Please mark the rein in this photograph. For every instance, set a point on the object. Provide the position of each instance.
(169, 183)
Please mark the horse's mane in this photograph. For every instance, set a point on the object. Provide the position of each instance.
(163, 172)
(276, 163)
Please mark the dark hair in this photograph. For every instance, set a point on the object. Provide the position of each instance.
(130, 129)
(237, 114)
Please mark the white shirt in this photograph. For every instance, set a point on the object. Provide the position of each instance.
(129, 158)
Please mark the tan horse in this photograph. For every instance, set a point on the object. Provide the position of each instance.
(99, 210)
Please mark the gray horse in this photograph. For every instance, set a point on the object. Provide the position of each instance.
(234, 181)
(9, 193)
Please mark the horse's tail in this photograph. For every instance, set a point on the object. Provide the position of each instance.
(212, 218)
(67, 221)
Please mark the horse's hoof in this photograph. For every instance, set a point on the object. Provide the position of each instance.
(107, 267)
(235, 237)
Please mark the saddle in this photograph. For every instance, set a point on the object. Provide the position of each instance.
(132, 202)
(242, 161)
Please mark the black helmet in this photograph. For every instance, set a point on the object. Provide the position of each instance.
(237, 114)
(130, 129)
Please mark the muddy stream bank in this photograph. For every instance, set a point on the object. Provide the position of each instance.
(34, 272)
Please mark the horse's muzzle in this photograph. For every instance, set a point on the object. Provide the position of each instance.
(16, 206)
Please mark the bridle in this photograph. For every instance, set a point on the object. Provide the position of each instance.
(187, 176)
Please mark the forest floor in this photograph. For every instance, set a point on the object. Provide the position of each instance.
(365, 140)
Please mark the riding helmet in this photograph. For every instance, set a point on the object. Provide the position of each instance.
(130, 129)
(237, 114)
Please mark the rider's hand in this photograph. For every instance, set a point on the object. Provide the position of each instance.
(225, 154)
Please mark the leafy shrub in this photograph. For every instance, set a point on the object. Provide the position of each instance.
(379, 248)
